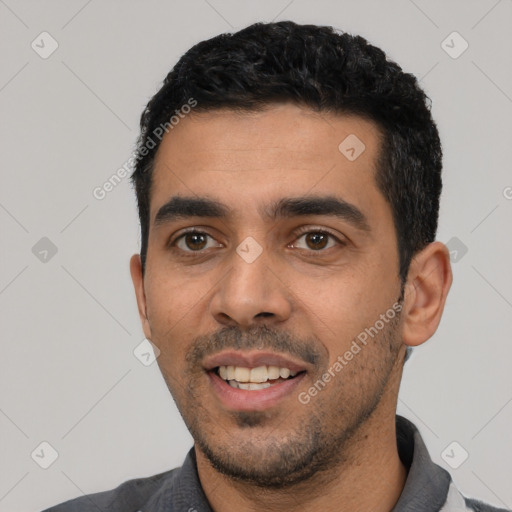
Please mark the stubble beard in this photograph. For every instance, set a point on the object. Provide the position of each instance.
(322, 437)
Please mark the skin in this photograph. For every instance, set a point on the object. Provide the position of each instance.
(318, 299)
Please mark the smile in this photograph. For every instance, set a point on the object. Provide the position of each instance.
(254, 379)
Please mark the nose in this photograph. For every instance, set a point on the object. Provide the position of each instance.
(251, 293)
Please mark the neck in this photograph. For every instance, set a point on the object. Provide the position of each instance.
(371, 477)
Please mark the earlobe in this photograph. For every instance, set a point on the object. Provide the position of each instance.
(138, 284)
(428, 282)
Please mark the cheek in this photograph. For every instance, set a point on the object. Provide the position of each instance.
(340, 308)
(172, 303)
(331, 308)
(172, 289)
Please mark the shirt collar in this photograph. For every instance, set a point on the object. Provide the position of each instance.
(427, 483)
(425, 489)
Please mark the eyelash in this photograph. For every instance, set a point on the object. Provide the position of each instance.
(322, 231)
(300, 232)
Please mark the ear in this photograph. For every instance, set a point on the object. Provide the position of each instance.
(428, 282)
(138, 284)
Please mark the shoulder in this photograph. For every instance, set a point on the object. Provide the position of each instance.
(478, 506)
(129, 496)
(456, 501)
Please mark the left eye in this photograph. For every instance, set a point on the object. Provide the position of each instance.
(194, 242)
(316, 240)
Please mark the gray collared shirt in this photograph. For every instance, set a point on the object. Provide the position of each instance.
(428, 488)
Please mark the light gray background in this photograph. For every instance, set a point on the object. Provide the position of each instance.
(69, 325)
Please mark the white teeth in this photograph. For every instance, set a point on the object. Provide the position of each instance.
(273, 372)
(284, 373)
(251, 385)
(263, 385)
(259, 374)
(242, 374)
(223, 372)
(247, 378)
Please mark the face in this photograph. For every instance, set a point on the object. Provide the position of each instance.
(271, 287)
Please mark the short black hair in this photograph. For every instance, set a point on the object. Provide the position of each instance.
(325, 70)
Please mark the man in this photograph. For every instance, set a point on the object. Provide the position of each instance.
(288, 181)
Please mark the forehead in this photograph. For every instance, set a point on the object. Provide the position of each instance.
(249, 158)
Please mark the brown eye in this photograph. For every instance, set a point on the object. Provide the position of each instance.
(194, 241)
(317, 240)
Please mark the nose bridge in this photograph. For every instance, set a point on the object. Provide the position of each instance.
(251, 289)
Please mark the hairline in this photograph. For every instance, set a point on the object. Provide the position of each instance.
(380, 164)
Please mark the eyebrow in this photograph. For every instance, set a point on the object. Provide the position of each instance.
(180, 207)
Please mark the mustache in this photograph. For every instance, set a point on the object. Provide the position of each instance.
(255, 338)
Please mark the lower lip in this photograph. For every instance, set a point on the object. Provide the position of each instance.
(252, 400)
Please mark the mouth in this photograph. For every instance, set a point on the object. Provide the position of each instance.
(253, 381)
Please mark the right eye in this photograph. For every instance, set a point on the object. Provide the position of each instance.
(194, 241)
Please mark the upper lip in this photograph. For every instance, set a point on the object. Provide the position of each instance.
(252, 359)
